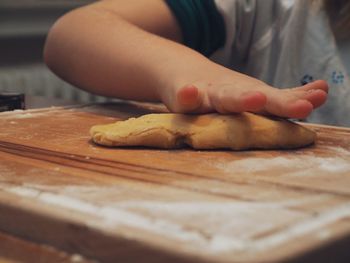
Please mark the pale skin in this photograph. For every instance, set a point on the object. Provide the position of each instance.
(131, 49)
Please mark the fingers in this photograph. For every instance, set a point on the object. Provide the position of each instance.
(192, 99)
(289, 108)
(188, 99)
(291, 103)
(228, 101)
(315, 97)
(316, 85)
(297, 102)
(315, 92)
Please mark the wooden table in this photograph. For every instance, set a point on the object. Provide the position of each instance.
(37, 102)
(145, 205)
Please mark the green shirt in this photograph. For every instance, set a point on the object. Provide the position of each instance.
(202, 25)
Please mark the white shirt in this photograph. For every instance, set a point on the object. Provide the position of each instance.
(286, 43)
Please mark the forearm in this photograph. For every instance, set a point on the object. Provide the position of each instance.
(103, 53)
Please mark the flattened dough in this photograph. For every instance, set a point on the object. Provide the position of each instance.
(208, 131)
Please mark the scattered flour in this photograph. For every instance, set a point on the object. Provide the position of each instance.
(26, 114)
(77, 258)
(213, 227)
(296, 165)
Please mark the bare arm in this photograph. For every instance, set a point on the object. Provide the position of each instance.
(124, 49)
(131, 49)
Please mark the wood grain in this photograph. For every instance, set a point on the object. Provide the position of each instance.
(133, 204)
(14, 249)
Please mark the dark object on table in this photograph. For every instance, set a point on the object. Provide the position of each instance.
(11, 101)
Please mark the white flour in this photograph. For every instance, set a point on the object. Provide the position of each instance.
(302, 165)
(28, 114)
(213, 227)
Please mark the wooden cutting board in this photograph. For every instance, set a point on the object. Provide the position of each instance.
(149, 205)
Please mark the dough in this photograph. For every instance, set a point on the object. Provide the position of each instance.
(208, 131)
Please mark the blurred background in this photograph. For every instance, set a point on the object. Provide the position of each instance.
(23, 28)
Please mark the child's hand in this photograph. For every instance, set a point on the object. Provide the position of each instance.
(132, 51)
(238, 93)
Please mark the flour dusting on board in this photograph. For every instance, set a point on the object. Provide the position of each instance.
(297, 165)
(212, 227)
(28, 114)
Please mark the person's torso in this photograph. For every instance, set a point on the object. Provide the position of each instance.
(286, 44)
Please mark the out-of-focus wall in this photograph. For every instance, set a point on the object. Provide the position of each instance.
(23, 28)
